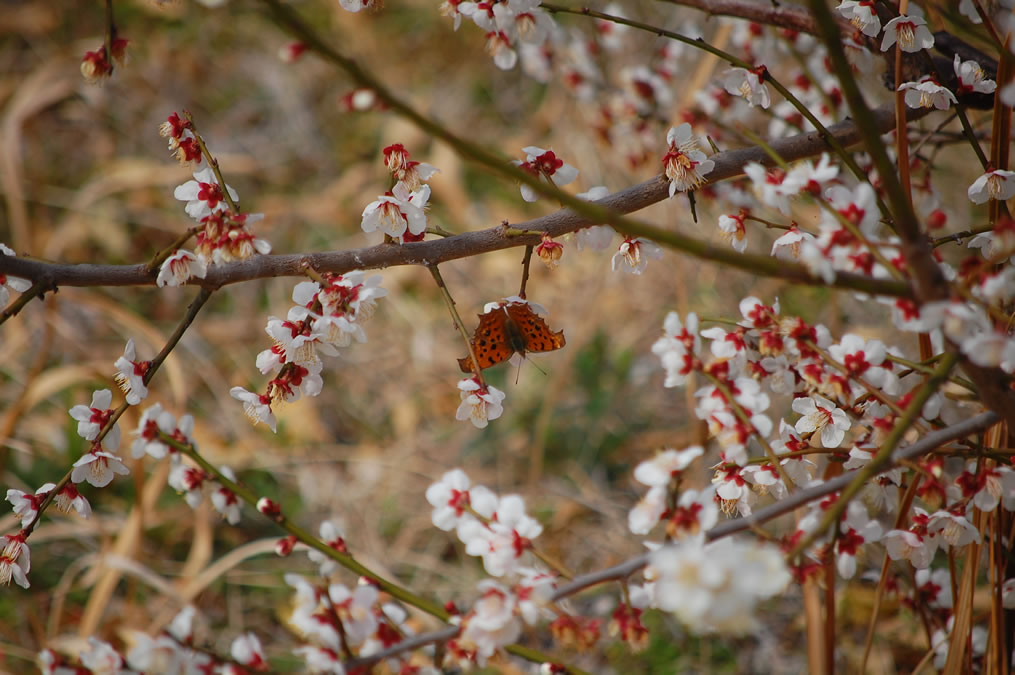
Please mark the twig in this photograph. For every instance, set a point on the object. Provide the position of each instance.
(414, 642)
(450, 302)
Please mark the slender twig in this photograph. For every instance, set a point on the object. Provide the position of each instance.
(463, 331)
(171, 343)
(343, 559)
(526, 260)
(214, 164)
(37, 290)
(415, 642)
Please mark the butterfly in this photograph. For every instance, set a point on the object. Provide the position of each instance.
(508, 329)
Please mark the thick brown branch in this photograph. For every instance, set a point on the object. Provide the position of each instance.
(728, 164)
(792, 17)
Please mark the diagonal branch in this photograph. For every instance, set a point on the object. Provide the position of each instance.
(728, 164)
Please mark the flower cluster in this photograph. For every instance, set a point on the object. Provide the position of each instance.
(223, 236)
(509, 24)
(544, 164)
(333, 620)
(400, 213)
(715, 586)
(328, 315)
(98, 65)
(498, 530)
(171, 651)
(684, 164)
(847, 395)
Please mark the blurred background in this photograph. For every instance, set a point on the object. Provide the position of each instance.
(86, 178)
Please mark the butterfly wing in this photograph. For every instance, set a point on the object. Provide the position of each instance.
(490, 342)
(536, 334)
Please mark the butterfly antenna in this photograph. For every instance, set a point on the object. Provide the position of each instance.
(534, 366)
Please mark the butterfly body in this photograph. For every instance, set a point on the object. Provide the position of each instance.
(509, 329)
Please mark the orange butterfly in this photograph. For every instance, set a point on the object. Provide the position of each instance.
(507, 329)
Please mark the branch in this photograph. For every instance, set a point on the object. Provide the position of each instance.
(728, 164)
(926, 444)
(783, 16)
(422, 640)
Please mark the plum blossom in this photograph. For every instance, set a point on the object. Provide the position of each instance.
(182, 625)
(257, 407)
(204, 195)
(684, 164)
(968, 10)
(15, 559)
(92, 418)
(749, 84)
(927, 94)
(995, 184)
(355, 5)
(862, 14)
(678, 348)
(987, 486)
(524, 20)
(98, 467)
(131, 375)
(857, 529)
(910, 32)
(952, 529)
(542, 163)
(634, 254)
(915, 544)
(398, 211)
(716, 586)
(247, 651)
(180, 267)
(791, 241)
(971, 77)
(356, 610)
(225, 238)
(733, 490)
(820, 414)
(696, 512)
(733, 231)
(657, 473)
(666, 465)
(404, 170)
(449, 496)
(491, 623)
(332, 535)
(154, 420)
(866, 359)
(102, 658)
(480, 403)
(225, 500)
(26, 506)
(501, 541)
(935, 586)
